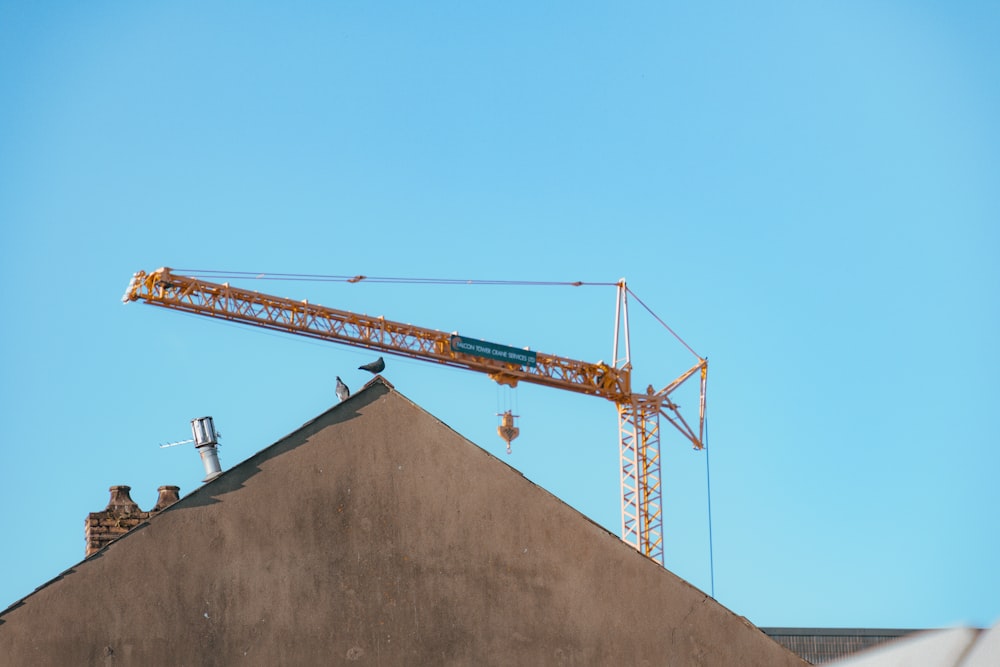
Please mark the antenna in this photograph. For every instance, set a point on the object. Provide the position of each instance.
(174, 444)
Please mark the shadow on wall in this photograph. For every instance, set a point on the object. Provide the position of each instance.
(234, 478)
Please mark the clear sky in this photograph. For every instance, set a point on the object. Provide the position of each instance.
(807, 192)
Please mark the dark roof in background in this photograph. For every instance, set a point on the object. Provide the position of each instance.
(822, 645)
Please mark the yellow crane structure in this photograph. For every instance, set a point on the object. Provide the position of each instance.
(639, 413)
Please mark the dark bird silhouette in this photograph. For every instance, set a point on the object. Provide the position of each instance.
(376, 366)
(342, 391)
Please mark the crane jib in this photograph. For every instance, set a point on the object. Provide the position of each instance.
(638, 414)
(481, 348)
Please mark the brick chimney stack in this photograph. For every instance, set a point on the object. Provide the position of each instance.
(122, 515)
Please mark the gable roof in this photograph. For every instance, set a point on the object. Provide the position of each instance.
(375, 533)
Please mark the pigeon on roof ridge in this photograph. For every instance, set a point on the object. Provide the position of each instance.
(376, 366)
(342, 391)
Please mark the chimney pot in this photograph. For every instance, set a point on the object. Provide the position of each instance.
(168, 496)
(121, 500)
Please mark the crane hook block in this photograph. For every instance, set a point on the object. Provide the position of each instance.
(506, 429)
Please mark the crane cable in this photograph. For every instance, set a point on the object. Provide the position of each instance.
(708, 493)
(665, 325)
(310, 277)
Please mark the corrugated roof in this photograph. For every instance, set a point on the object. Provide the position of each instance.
(824, 645)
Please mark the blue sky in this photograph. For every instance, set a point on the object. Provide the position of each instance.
(806, 191)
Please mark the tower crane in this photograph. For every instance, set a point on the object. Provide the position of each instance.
(639, 413)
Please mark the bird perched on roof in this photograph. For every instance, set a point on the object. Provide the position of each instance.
(342, 391)
(376, 366)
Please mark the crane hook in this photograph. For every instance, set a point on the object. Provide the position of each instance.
(506, 429)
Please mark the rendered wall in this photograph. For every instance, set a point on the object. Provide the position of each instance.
(375, 535)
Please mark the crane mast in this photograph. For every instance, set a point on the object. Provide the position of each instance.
(638, 413)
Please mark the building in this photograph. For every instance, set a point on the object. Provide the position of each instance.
(374, 534)
(823, 645)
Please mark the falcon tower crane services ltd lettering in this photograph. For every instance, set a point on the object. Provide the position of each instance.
(481, 348)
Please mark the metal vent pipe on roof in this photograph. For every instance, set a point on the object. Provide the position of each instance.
(206, 440)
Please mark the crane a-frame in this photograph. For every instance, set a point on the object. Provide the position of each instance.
(639, 413)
